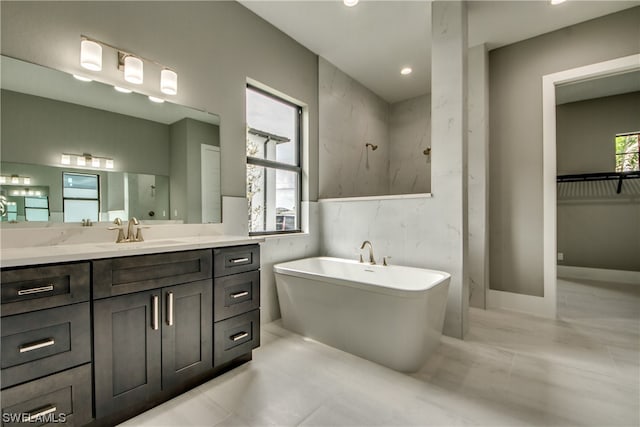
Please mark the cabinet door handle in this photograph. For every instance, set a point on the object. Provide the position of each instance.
(239, 336)
(41, 413)
(238, 260)
(47, 288)
(170, 308)
(240, 294)
(154, 313)
(36, 345)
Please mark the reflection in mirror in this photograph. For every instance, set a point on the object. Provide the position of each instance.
(72, 195)
(91, 152)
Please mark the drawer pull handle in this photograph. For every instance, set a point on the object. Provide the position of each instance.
(36, 345)
(154, 313)
(170, 308)
(239, 336)
(47, 288)
(240, 294)
(239, 260)
(41, 413)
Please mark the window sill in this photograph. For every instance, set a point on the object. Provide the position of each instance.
(281, 235)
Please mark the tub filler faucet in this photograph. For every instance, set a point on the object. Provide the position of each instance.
(372, 259)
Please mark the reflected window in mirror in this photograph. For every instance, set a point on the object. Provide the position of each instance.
(81, 197)
(274, 173)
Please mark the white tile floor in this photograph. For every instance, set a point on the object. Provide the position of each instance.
(512, 369)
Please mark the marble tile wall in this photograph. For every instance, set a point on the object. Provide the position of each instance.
(409, 135)
(351, 116)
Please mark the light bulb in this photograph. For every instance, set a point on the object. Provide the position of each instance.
(156, 99)
(82, 78)
(3, 179)
(350, 3)
(80, 161)
(15, 180)
(65, 159)
(406, 70)
(122, 89)
(95, 162)
(168, 82)
(108, 164)
(90, 55)
(26, 180)
(133, 70)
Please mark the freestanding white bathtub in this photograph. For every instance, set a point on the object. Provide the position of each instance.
(391, 315)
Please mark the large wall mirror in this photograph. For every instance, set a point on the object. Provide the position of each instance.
(74, 150)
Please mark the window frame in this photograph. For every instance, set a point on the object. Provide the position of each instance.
(624, 134)
(296, 168)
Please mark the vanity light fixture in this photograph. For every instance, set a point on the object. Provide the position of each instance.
(15, 180)
(350, 3)
(122, 89)
(156, 99)
(133, 70)
(406, 71)
(86, 160)
(130, 63)
(168, 82)
(82, 78)
(90, 55)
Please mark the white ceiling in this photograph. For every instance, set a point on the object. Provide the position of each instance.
(373, 40)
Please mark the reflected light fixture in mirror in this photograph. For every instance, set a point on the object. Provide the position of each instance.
(350, 3)
(82, 78)
(156, 99)
(122, 89)
(86, 159)
(90, 55)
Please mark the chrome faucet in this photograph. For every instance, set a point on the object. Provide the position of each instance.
(372, 259)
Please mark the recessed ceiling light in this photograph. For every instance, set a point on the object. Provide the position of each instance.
(122, 89)
(81, 78)
(156, 100)
(405, 71)
(555, 2)
(350, 3)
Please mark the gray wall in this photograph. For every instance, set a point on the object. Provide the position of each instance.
(213, 46)
(351, 116)
(586, 131)
(596, 231)
(410, 134)
(37, 130)
(516, 137)
(185, 180)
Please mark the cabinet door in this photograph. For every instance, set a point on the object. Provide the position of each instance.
(187, 332)
(127, 359)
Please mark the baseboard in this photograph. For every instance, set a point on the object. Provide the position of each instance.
(599, 274)
(537, 306)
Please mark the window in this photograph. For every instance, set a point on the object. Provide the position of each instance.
(274, 174)
(627, 152)
(36, 208)
(80, 193)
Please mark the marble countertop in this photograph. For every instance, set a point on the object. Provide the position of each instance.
(14, 257)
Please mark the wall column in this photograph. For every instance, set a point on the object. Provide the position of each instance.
(449, 144)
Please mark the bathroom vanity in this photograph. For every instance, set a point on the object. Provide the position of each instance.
(97, 333)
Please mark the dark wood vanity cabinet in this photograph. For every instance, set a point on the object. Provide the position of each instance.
(46, 345)
(150, 343)
(237, 301)
(103, 340)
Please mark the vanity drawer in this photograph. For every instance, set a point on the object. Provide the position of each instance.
(37, 288)
(64, 397)
(118, 276)
(44, 342)
(236, 294)
(236, 336)
(237, 259)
